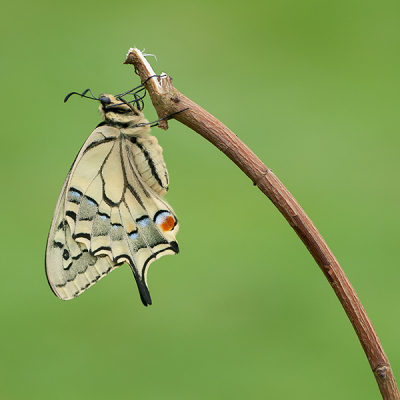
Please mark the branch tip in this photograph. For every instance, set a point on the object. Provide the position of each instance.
(164, 97)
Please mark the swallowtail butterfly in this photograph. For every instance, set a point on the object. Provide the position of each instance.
(111, 208)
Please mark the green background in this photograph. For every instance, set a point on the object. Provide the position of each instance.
(243, 312)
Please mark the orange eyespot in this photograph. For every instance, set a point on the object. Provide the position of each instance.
(165, 220)
(168, 223)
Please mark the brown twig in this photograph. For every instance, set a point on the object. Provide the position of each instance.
(167, 100)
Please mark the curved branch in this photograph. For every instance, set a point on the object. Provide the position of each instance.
(167, 100)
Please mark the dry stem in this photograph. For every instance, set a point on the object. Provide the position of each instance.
(167, 100)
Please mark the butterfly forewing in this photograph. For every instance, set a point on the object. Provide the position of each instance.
(110, 209)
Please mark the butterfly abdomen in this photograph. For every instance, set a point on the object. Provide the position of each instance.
(147, 155)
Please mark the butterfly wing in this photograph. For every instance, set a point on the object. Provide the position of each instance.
(108, 214)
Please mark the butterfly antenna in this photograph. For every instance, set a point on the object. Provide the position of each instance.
(128, 104)
(135, 89)
(139, 101)
(81, 94)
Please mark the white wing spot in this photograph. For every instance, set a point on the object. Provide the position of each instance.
(134, 235)
(74, 193)
(144, 221)
(162, 217)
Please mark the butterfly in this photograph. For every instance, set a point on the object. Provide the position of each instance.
(111, 209)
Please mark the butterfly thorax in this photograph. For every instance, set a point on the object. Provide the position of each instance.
(144, 150)
(114, 112)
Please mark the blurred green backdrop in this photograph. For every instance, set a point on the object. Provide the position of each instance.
(243, 312)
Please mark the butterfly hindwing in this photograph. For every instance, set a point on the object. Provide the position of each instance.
(111, 211)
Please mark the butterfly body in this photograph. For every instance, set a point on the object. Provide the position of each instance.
(111, 209)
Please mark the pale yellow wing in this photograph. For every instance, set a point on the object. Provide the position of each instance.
(107, 214)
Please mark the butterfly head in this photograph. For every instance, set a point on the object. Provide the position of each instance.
(110, 103)
(116, 110)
